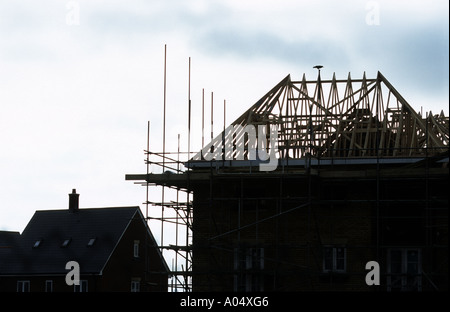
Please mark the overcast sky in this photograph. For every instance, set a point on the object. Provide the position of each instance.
(80, 79)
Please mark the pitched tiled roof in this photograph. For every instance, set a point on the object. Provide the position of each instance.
(40, 248)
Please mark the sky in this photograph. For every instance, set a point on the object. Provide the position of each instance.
(80, 79)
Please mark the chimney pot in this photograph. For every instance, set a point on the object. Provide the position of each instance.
(73, 201)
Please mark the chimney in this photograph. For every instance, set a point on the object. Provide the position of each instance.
(73, 201)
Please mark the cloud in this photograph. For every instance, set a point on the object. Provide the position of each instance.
(250, 44)
(413, 57)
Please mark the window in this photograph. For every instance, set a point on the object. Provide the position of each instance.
(48, 286)
(334, 259)
(136, 285)
(136, 249)
(37, 243)
(66, 242)
(23, 286)
(91, 242)
(83, 287)
(404, 269)
(249, 265)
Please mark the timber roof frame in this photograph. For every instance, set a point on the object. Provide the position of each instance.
(337, 118)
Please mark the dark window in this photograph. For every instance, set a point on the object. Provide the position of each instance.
(48, 286)
(135, 285)
(249, 265)
(91, 242)
(23, 286)
(334, 259)
(66, 242)
(83, 287)
(136, 249)
(37, 243)
(404, 270)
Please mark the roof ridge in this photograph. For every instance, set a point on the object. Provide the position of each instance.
(91, 208)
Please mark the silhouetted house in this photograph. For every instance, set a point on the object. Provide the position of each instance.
(357, 176)
(113, 247)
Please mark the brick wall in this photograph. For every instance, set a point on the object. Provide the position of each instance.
(274, 213)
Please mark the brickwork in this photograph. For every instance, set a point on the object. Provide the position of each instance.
(293, 218)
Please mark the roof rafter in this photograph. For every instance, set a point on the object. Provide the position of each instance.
(371, 119)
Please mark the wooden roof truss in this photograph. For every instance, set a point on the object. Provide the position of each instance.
(340, 118)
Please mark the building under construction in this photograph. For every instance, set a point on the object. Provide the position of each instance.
(307, 186)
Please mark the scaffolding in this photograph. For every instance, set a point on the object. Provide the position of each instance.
(175, 211)
(327, 130)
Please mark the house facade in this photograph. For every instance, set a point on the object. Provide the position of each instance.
(317, 231)
(106, 249)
